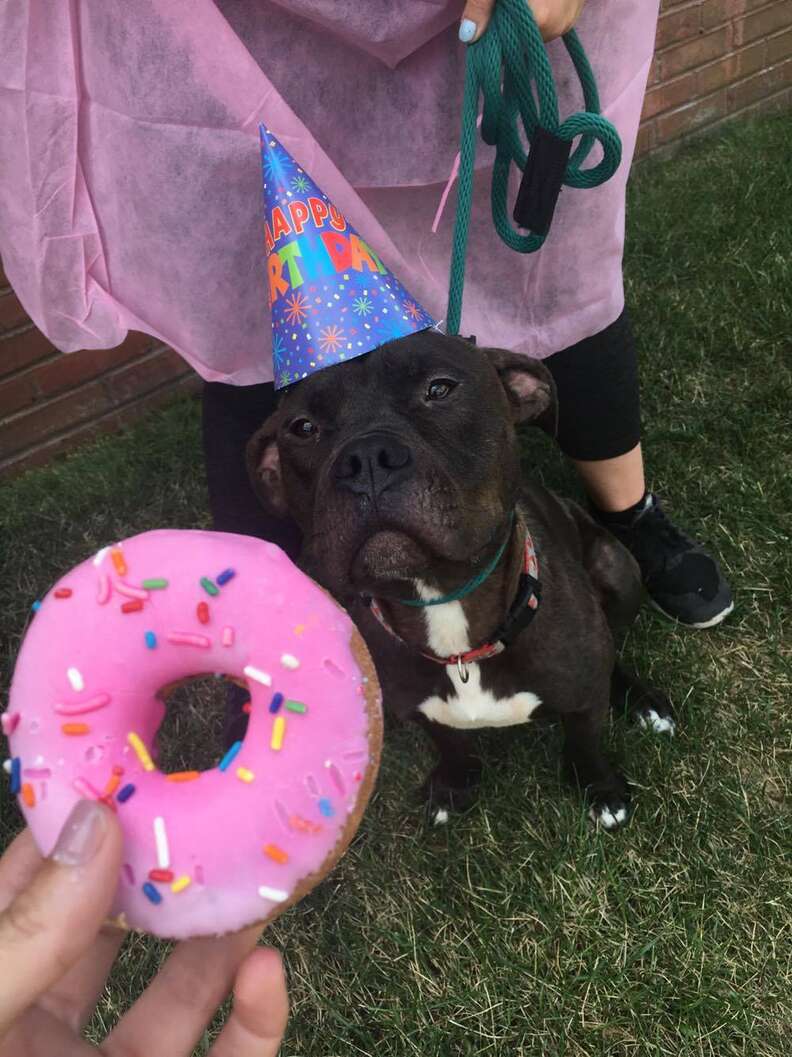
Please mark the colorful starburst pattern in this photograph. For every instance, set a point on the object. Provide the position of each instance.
(412, 310)
(300, 183)
(362, 306)
(331, 339)
(297, 308)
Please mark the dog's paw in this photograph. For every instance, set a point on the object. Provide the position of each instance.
(657, 722)
(444, 798)
(609, 806)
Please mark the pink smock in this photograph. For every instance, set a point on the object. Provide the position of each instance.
(130, 184)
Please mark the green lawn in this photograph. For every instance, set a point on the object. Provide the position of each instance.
(518, 930)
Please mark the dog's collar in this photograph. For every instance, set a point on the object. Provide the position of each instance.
(466, 588)
(521, 613)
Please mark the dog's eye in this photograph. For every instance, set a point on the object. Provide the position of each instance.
(440, 388)
(303, 428)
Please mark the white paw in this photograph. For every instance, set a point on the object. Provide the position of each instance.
(603, 816)
(651, 720)
(440, 817)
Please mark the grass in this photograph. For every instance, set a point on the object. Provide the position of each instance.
(518, 930)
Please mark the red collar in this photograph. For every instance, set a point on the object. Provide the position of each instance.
(521, 613)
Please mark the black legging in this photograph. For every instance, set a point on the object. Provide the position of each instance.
(598, 418)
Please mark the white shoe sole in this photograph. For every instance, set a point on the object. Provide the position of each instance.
(703, 624)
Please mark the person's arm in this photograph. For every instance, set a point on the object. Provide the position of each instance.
(56, 953)
(554, 17)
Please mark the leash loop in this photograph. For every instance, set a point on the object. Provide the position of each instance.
(510, 70)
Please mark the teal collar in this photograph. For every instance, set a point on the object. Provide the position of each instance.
(466, 588)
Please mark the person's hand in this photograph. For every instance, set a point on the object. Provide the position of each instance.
(55, 954)
(554, 17)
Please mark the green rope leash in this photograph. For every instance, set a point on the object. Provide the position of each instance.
(510, 69)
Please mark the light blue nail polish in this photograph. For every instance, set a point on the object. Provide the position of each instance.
(467, 30)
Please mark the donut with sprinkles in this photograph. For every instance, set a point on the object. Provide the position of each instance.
(205, 852)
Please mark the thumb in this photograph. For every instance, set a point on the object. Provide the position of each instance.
(54, 920)
(475, 19)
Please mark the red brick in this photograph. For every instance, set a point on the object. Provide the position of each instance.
(764, 22)
(705, 48)
(22, 348)
(779, 47)
(144, 374)
(12, 314)
(3, 280)
(677, 25)
(765, 83)
(695, 115)
(117, 419)
(669, 95)
(32, 427)
(730, 68)
(646, 138)
(17, 392)
(716, 12)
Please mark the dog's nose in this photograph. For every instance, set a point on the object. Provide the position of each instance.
(371, 464)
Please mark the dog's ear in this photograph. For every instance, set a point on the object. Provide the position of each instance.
(529, 387)
(264, 467)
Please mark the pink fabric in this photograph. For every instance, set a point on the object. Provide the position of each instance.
(130, 191)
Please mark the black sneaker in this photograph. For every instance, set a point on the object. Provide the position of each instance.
(683, 581)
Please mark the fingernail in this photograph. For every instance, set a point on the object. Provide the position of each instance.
(467, 30)
(82, 834)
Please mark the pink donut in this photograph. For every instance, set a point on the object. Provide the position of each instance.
(205, 852)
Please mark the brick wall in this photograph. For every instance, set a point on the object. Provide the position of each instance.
(715, 60)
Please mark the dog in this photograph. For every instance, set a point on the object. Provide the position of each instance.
(486, 600)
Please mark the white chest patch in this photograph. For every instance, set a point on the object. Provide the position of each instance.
(469, 706)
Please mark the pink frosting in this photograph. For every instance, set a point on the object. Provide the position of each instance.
(85, 660)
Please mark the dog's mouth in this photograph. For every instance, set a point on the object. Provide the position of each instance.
(386, 556)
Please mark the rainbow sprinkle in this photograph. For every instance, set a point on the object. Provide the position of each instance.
(141, 751)
(326, 807)
(275, 853)
(134, 606)
(9, 721)
(75, 729)
(28, 794)
(183, 776)
(16, 775)
(125, 793)
(185, 638)
(161, 842)
(74, 675)
(118, 561)
(275, 703)
(85, 789)
(151, 640)
(288, 660)
(225, 576)
(103, 589)
(278, 731)
(157, 584)
(257, 675)
(63, 592)
(273, 894)
(181, 883)
(244, 774)
(161, 876)
(36, 606)
(230, 756)
(131, 592)
(228, 636)
(79, 709)
(208, 586)
(202, 612)
(296, 706)
(151, 893)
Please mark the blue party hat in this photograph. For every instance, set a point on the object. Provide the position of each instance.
(332, 298)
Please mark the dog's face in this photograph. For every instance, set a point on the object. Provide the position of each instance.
(402, 461)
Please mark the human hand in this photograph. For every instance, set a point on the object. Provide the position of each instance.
(56, 953)
(553, 17)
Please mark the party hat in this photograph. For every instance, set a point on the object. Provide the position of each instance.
(332, 298)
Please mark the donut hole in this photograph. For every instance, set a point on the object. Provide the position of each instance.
(191, 735)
